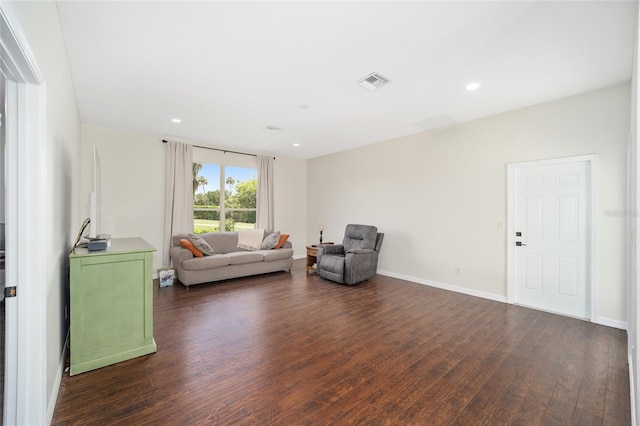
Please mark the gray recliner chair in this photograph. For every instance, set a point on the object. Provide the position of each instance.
(353, 261)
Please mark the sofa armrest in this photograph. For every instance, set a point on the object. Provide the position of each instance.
(287, 244)
(179, 255)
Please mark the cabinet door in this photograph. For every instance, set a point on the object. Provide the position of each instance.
(111, 310)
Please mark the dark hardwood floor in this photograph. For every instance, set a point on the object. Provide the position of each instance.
(287, 349)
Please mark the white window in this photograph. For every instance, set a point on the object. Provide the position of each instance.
(225, 195)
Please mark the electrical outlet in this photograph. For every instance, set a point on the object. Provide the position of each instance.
(458, 270)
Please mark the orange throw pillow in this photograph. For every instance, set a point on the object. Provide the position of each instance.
(281, 241)
(189, 246)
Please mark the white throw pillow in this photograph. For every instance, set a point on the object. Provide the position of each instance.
(270, 241)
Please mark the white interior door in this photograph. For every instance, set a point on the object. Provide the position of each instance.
(550, 241)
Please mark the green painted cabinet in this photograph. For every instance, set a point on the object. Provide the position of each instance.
(111, 304)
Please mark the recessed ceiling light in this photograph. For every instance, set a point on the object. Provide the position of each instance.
(176, 120)
(296, 144)
(472, 86)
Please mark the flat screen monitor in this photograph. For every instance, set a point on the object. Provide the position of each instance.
(94, 197)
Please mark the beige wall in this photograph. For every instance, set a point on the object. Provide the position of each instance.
(439, 195)
(290, 200)
(41, 27)
(132, 185)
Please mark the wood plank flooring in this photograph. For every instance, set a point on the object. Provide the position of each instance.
(292, 349)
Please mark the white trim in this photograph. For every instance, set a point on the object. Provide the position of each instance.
(32, 382)
(21, 58)
(510, 234)
(551, 311)
(443, 286)
(26, 144)
(593, 259)
(592, 160)
(622, 325)
(631, 268)
(11, 268)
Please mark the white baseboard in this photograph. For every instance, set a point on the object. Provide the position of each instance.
(56, 386)
(457, 289)
(611, 323)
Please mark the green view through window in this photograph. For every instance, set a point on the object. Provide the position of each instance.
(234, 205)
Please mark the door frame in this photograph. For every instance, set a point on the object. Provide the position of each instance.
(26, 376)
(592, 161)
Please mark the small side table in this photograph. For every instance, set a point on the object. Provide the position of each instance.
(312, 258)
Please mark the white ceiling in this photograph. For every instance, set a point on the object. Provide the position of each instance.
(230, 69)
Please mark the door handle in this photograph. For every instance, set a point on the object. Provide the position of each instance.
(519, 244)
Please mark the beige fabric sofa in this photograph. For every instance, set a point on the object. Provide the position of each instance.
(229, 261)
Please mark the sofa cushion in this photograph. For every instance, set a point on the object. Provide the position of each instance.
(242, 257)
(222, 242)
(271, 255)
(207, 262)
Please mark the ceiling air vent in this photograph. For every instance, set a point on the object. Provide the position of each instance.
(374, 81)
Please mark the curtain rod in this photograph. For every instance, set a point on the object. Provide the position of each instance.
(221, 150)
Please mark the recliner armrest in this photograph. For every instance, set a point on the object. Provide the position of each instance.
(328, 249)
(361, 251)
(331, 249)
(360, 265)
(359, 257)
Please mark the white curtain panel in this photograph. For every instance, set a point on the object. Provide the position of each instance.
(178, 200)
(264, 203)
